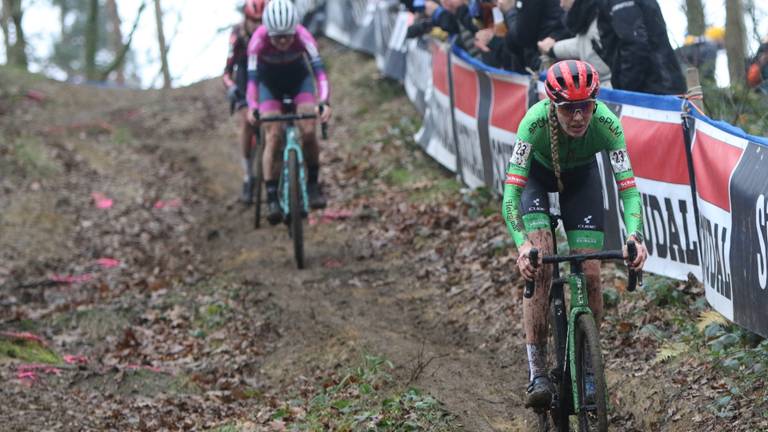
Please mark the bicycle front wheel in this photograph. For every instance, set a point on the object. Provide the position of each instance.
(560, 373)
(296, 221)
(593, 410)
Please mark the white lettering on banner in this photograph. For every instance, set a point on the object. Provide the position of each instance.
(715, 250)
(669, 228)
(440, 145)
(762, 237)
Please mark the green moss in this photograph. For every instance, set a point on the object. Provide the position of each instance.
(28, 351)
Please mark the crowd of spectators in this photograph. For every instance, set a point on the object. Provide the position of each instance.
(626, 40)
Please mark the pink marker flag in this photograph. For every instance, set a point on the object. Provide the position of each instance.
(107, 262)
(101, 200)
(23, 336)
(75, 359)
(172, 203)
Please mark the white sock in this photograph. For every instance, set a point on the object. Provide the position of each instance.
(248, 168)
(537, 358)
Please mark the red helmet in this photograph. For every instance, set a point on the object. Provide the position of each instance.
(253, 9)
(571, 81)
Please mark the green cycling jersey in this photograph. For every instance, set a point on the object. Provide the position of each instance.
(533, 141)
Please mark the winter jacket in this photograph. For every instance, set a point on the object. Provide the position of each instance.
(581, 20)
(529, 22)
(635, 46)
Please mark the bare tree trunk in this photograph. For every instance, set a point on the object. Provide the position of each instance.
(120, 55)
(115, 38)
(694, 11)
(735, 40)
(91, 38)
(163, 47)
(15, 42)
(4, 18)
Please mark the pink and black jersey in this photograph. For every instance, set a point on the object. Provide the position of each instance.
(264, 57)
(237, 58)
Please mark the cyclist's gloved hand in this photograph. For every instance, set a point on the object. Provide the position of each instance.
(253, 117)
(524, 263)
(642, 253)
(324, 111)
(233, 93)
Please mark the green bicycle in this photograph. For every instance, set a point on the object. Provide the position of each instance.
(575, 342)
(292, 188)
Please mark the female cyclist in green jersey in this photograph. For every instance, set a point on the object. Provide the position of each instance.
(555, 152)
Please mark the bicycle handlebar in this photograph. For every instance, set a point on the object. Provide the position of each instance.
(635, 277)
(291, 117)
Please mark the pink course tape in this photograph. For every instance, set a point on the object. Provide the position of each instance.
(107, 262)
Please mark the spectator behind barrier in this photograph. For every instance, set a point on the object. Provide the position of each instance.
(757, 74)
(527, 21)
(635, 47)
(581, 20)
(701, 51)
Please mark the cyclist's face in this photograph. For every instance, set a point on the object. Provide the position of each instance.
(251, 24)
(574, 117)
(282, 42)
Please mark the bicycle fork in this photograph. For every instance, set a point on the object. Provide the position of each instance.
(292, 145)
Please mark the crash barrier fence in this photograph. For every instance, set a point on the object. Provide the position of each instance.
(703, 182)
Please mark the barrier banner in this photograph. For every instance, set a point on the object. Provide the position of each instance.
(466, 111)
(350, 22)
(436, 135)
(418, 72)
(383, 21)
(654, 135)
(732, 221)
(395, 57)
(509, 102)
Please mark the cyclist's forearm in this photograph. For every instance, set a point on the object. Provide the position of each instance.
(632, 202)
(510, 210)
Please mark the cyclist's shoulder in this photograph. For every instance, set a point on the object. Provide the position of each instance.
(607, 122)
(259, 38)
(534, 124)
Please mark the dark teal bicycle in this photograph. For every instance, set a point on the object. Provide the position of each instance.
(292, 188)
(575, 350)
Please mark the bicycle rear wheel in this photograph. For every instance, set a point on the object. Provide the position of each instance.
(296, 222)
(593, 415)
(259, 178)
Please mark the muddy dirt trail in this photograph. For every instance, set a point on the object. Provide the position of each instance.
(357, 295)
(135, 294)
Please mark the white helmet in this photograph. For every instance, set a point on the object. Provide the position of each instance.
(280, 18)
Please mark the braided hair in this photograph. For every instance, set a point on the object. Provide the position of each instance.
(554, 141)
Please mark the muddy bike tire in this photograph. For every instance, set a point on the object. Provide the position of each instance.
(258, 180)
(294, 210)
(560, 376)
(592, 417)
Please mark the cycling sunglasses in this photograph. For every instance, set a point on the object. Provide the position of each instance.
(572, 108)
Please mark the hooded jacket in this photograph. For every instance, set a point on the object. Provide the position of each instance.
(635, 46)
(581, 20)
